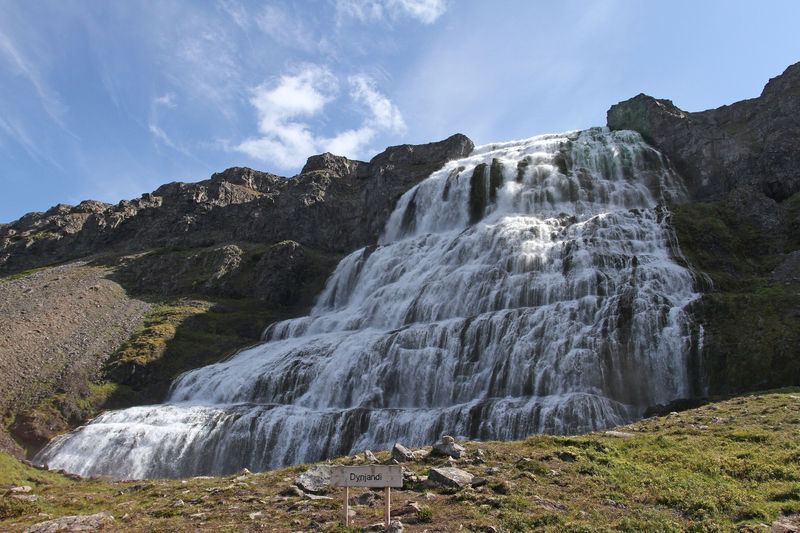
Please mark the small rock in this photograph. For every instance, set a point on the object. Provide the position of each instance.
(246, 472)
(550, 505)
(449, 477)
(294, 490)
(20, 490)
(72, 523)
(379, 526)
(256, 516)
(421, 455)
(317, 497)
(787, 524)
(198, 516)
(314, 479)
(368, 499)
(619, 434)
(567, 456)
(478, 481)
(493, 470)
(401, 454)
(409, 508)
(25, 497)
(614, 503)
(450, 448)
(526, 475)
(395, 525)
(370, 457)
(179, 503)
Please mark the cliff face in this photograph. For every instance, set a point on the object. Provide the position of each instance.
(752, 142)
(334, 204)
(742, 234)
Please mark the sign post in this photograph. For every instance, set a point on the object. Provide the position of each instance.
(367, 476)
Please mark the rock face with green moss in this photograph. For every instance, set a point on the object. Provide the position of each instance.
(753, 142)
(742, 235)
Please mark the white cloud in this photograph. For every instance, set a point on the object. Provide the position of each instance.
(168, 100)
(425, 11)
(384, 114)
(287, 141)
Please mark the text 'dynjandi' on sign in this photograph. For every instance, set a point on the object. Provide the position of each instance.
(367, 476)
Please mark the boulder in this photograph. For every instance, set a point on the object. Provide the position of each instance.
(449, 447)
(314, 479)
(450, 477)
(72, 523)
(402, 454)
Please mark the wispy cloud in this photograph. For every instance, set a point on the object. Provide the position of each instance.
(287, 29)
(281, 107)
(14, 130)
(166, 101)
(50, 100)
(426, 11)
(236, 11)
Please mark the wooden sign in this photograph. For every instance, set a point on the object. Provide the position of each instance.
(367, 476)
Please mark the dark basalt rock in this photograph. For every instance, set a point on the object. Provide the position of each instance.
(749, 143)
(335, 205)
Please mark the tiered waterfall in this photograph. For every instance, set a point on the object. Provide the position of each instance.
(529, 287)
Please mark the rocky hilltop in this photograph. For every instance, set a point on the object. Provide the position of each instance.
(334, 204)
(749, 143)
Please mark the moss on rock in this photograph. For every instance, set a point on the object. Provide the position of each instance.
(751, 322)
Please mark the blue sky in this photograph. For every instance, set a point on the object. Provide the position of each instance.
(107, 100)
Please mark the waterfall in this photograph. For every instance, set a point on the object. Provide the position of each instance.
(526, 288)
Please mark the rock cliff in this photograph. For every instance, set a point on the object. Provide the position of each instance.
(753, 142)
(741, 163)
(334, 204)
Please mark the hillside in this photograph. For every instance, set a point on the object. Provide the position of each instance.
(730, 465)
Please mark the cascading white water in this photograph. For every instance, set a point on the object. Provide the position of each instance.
(526, 288)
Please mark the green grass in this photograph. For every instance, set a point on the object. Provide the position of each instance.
(185, 334)
(726, 466)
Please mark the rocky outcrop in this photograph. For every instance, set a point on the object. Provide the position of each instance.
(749, 143)
(335, 205)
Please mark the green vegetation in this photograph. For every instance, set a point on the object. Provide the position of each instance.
(477, 193)
(181, 335)
(723, 467)
(751, 322)
(26, 273)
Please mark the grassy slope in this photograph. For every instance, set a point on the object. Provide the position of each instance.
(733, 463)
